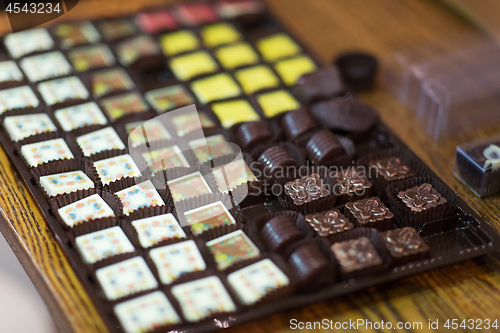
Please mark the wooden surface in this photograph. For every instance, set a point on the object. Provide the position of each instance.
(467, 291)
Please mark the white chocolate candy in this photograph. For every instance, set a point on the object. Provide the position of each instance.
(81, 115)
(125, 278)
(145, 313)
(17, 98)
(66, 182)
(23, 126)
(139, 196)
(45, 66)
(45, 151)
(101, 140)
(60, 90)
(103, 244)
(152, 230)
(22, 43)
(89, 208)
(117, 167)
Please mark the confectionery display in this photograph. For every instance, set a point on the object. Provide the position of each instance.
(280, 188)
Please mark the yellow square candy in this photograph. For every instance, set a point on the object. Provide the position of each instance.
(232, 112)
(291, 69)
(178, 42)
(215, 87)
(277, 46)
(256, 78)
(190, 65)
(236, 55)
(219, 33)
(276, 102)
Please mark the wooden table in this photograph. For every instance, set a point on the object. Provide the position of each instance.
(467, 291)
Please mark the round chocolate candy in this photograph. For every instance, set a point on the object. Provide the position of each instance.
(357, 69)
(324, 147)
(321, 84)
(309, 263)
(280, 232)
(346, 114)
(297, 123)
(251, 134)
(274, 159)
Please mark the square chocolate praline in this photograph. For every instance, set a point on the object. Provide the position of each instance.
(405, 245)
(351, 185)
(390, 169)
(421, 197)
(329, 222)
(371, 213)
(356, 255)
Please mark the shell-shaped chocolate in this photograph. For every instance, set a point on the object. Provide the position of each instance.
(274, 159)
(297, 123)
(251, 134)
(280, 232)
(324, 147)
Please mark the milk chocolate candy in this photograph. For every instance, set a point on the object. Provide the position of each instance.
(251, 134)
(422, 197)
(321, 84)
(297, 123)
(274, 159)
(404, 244)
(356, 254)
(349, 115)
(280, 232)
(309, 264)
(324, 147)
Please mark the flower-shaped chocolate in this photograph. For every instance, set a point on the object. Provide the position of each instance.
(356, 254)
(421, 197)
(392, 168)
(404, 242)
(352, 182)
(329, 222)
(306, 189)
(369, 210)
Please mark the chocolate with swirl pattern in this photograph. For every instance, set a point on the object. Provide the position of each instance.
(370, 212)
(356, 254)
(422, 197)
(329, 222)
(404, 242)
(306, 189)
(392, 168)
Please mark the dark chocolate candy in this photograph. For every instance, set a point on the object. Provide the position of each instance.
(422, 197)
(306, 189)
(251, 134)
(297, 123)
(275, 159)
(321, 84)
(309, 264)
(351, 181)
(486, 155)
(356, 254)
(357, 70)
(404, 242)
(370, 212)
(392, 168)
(346, 114)
(280, 232)
(324, 147)
(329, 222)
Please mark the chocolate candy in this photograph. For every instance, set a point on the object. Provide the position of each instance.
(352, 182)
(275, 159)
(329, 222)
(297, 123)
(349, 115)
(422, 197)
(370, 212)
(280, 232)
(321, 84)
(306, 189)
(251, 134)
(392, 168)
(323, 147)
(357, 70)
(404, 242)
(356, 254)
(309, 263)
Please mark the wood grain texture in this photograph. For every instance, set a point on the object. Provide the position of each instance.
(467, 291)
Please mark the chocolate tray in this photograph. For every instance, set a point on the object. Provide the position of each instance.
(458, 237)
